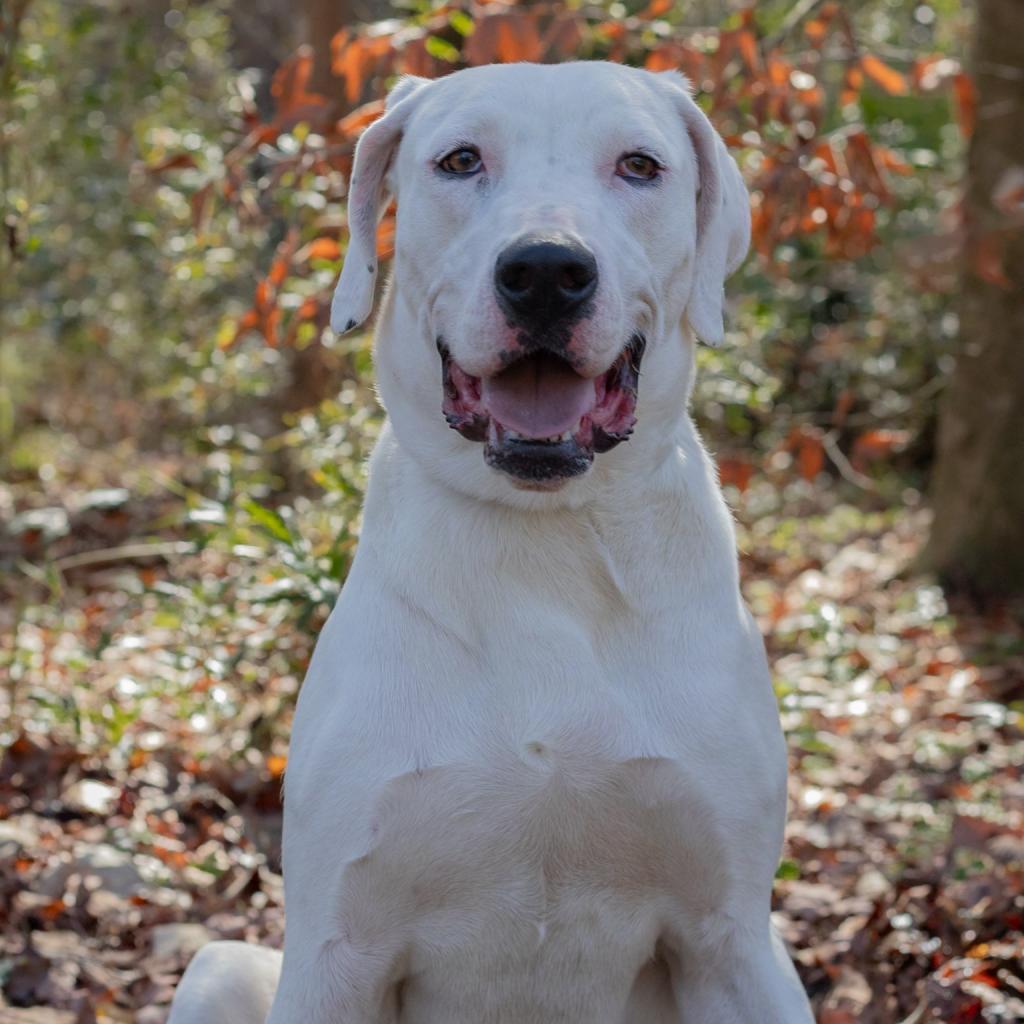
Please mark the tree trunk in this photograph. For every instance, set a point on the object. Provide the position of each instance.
(264, 33)
(977, 541)
(325, 18)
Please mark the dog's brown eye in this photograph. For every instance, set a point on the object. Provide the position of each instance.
(461, 161)
(638, 167)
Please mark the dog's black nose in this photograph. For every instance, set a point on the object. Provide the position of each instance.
(541, 279)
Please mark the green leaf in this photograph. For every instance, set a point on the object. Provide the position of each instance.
(269, 520)
(441, 49)
(788, 870)
(462, 23)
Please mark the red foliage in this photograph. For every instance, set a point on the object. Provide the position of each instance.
(771, 97)
(807, 182)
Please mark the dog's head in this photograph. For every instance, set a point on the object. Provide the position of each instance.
(557, 225)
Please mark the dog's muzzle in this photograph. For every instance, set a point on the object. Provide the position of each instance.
(541, 420)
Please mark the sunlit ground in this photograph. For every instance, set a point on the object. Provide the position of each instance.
(154, 655)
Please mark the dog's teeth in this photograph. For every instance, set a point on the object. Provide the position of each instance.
(511, 435)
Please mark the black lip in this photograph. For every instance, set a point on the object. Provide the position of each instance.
(472, 427)
(537, 461)
(627, 379)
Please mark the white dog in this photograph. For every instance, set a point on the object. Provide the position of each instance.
(537, 773)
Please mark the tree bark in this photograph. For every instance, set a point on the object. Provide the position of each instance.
(977, 539)
(264, 33)
(325, 18)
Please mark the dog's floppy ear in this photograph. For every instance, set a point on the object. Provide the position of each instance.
(723, 217)
(353, 297)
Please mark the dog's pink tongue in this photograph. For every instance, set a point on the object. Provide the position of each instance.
(539, 396)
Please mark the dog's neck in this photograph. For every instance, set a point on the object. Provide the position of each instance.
(616, 557)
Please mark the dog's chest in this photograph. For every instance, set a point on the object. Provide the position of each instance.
(555, 857)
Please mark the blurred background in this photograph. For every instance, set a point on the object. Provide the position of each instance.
(182, 446)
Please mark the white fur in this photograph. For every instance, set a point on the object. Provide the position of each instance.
(537, 774)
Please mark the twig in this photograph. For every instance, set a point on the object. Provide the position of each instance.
(917, 1015)
(124, 553)
(797, 13)
(843, 464)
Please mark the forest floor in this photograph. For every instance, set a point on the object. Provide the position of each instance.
(150, 676)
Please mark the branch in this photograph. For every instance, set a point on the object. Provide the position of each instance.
(124, 553)
(797, 13)
(843, 464)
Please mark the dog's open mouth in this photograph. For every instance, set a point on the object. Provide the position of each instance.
(540, 420)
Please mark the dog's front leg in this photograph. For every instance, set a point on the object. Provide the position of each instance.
(341, 985)
(227, 983)
(743, 976)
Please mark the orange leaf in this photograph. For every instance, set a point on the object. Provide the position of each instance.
(339, 41)
(247, 322)
(736, 472)
(880, 72)
(810, 456)
(290, 81)
(415, 59)
(853, 81)
(322, 249)
(986, 260)
(873, 445)
(966, 103)
(815, 30)
(860, 159)
(278, 271)
(929, 72)
(358, 59)
(362, 117)
(779, 70)
(827, 155)
(835, 1015)
(655, 9)
(747, 45)
(506, 37)
(270, 325)
(891, 161)
(676, 56)
(518, 39)
(844, 403)
(662, 58)
(52, 910)
(178, 162)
